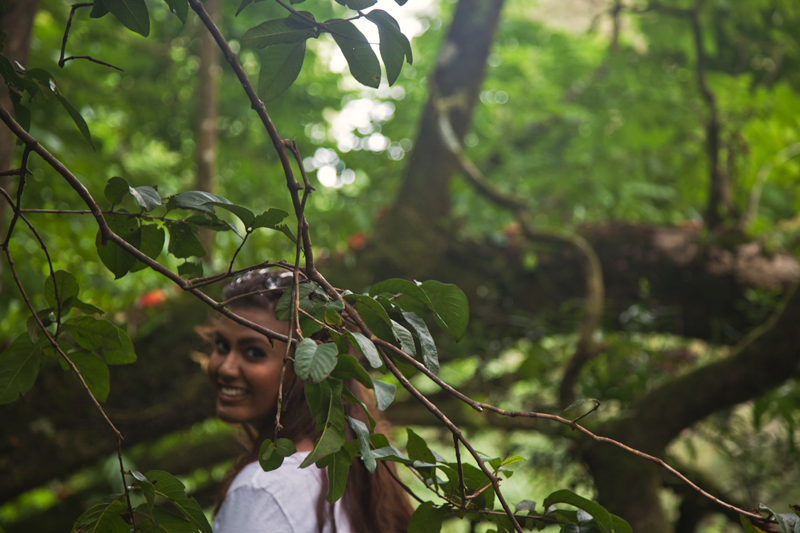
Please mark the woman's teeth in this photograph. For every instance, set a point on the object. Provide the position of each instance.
(232, 391)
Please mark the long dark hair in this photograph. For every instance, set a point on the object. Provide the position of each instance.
(372, 502)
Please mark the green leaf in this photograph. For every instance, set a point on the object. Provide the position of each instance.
(151, 243)
(118, 350)
(148, 491)
(116, 189)
(147, 197)
(348, 366)
(314, 361)
(417, 448)
(211, 222)
(32, 326)
(581, 402)
(430, 356)
(132, 14)
(330, 414)
(405, 338)
(93, 333)
(450, 305)
(180, 8)
(62, 282)
(427, 518)
(362, 433)
(348, 395)
(278, 31)
(789, 523)
(167, 486)
(384, 394)
(363, 62)
(397, 286)
(183, 242)
(190, 270)
(117, 260)
(244, 214)
(94, 371)
(270, 218)
(280, 66)
(19, 366)
(394, 46)
(620, 525)
(89, 309)
(338, 465)
(103, 517)
(601, 517)
(243, 5)
(21, 113)
(198, 200)
(378, 312)
(271, 455)
(99, 9)
(76, 118)
(366, 347)
(357, 4)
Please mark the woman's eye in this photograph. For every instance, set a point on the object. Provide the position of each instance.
(254, 353)
(221, 347)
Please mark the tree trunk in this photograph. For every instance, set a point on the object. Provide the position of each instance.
(17, 22)
(423, 202)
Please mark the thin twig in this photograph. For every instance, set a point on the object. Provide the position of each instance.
(13, 172)
(460, 473)
(247, 233)
(20, 188)
(89, 58)
(403, 485)
(66, 30)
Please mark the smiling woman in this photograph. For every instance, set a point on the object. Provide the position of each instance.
(245, 371)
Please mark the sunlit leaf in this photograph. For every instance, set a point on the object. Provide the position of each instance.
(363, 62)
(132, 14)
(280, 66)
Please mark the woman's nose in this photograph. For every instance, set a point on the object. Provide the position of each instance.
(230, 366)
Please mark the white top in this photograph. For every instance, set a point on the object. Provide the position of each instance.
(280, 501)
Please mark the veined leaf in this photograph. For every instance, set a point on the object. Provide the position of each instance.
(103, 517)
(76, 117)
(180, 8)
(427, 518)
(151, 243)
(19, 366)
(147, 197)
(280, 66)
(384, 394)
(362, 433)
(99, 9)
(132, 14)
(199, 200)
(348, 366)
(357, 4)
(394, 46)
(183, 242)
(363, 62)
(66, 286)
(278, 31)
(366, 347)
(450, 305)
(116, 189)
(330, 414)
(167, 486)
(430, 356)
(314, 361)
(117, 260)
(94, 371)
(602, 518)
(338, 465)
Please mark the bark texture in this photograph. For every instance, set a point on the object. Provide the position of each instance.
(17, 22)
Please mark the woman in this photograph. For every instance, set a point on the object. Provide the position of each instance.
(244, 370)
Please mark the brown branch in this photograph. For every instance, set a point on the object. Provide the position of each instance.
(585, 348)
(108, 235)
(61, 60)
(93, 60)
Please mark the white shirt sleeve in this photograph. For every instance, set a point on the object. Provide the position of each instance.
(252, 510)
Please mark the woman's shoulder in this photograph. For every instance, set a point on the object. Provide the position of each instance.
(284, 480)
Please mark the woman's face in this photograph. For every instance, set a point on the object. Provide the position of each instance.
(245, 369)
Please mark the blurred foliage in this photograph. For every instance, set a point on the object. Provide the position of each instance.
(588, 132)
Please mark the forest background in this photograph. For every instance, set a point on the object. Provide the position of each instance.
(653, 145)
